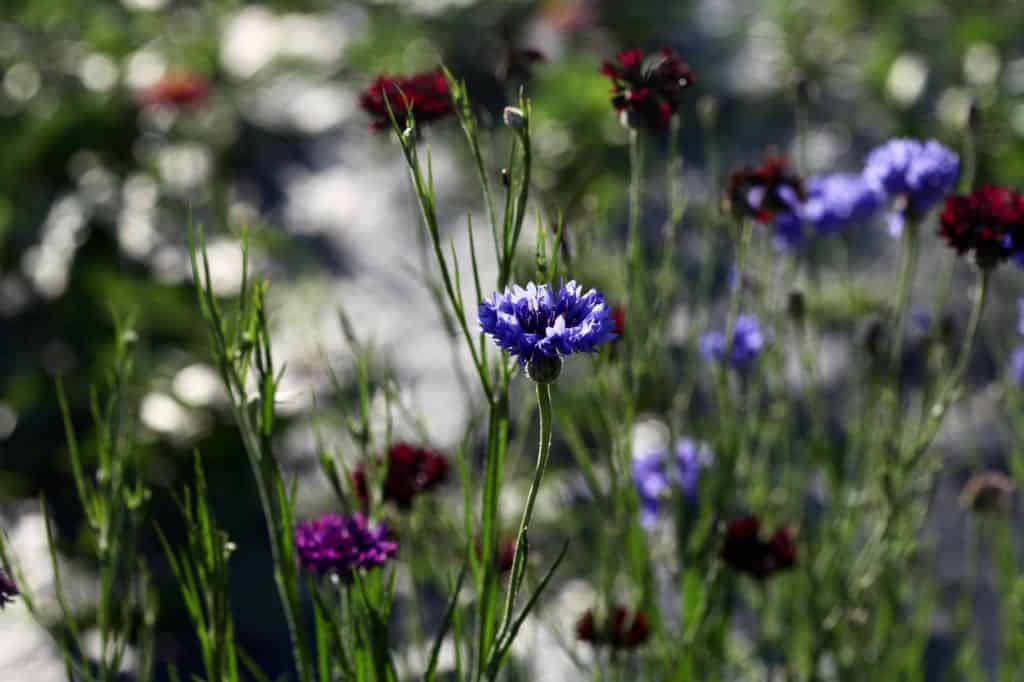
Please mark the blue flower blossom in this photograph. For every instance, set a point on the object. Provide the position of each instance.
(920, 174)
(343, 544)
(748, 341)
(654, 482)
(537, 322)
(837, 201)
(1017, 365)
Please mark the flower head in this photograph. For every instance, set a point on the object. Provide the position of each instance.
(538, 323)
(647, 90)
(772, 195)
(8, 590)
(835, 202)
(177, 89)
(425, 95)
(654, 481)
(619, 629)
(918, 173)
(748, 340)
(411, 471)
(745, 551)
(988, 492)
(341, 545)
(692, 457)
(987, 222)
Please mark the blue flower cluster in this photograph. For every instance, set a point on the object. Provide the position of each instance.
(837, 201)
(538, 322)
(748, 340)
(654, 483)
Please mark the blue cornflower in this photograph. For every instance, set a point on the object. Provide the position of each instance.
(917, 174)
(1017, 365)
(747, 342)
(654, 483)
(835, 202)
(343, 544)
(537, 322)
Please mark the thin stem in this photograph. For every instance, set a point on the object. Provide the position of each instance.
(911, 247)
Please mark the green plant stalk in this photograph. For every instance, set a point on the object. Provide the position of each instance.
(522, 547)
(911, 249)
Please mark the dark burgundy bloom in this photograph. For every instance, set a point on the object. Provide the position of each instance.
(411, 471)
(342, 544)
(178, 89)
(518, 64)
(619, 629)
(746, 552)
(504, 555)
(989, 222)
(764, 191)
(425, 95)
(648, 89)
(8, 590)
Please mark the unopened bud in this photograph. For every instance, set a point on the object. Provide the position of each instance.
(544, 369)
(514, 118)
(796, 306)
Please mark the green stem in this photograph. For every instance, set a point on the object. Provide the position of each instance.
(911, 247)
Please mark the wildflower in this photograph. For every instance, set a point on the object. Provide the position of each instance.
(987, 222)
(692, 457)
(619, 629)
(504, 554)
(770, 194)
(8, 590)
(425, 95)
(745, 551)
(1017, 365)
(654, 483)
(619, 318)
(648, 90)
(177, 89)
(917, 175)
(988, 492)
(540, 326)
(835, 202)
(748, 341)
(340, 545)
(411, 471)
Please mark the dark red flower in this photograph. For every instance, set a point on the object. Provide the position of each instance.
(620, 629)
(425, 95)
(648, 90)
(410, 471)
(504, 555)
(989, 222)
(746, 552)
(177, 89)
(518, 64)
(619, 318)
(761, 192)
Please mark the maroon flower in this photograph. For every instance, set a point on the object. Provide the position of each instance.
(619, 318)
(620, 629)
(518, 64)
(425, 95)
(746, 552)
(411, 471)
(763, 191)
(8, 590)
(989, 222)
(178, 89)
(648, 90)
(504, 555)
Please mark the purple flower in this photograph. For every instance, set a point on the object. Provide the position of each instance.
(691, 457)
(747, 342)
(837, 201)
(537, 322)
(8, 590)
(342, 544)
(654, 483)
(1017, 365)
(918, 174)
(1020, 316)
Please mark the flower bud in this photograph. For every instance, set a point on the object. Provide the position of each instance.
(514, 118)
(544, 369)
(796, 306)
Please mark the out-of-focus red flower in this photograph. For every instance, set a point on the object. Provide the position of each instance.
(426, 95)
(619, 629)
(619, 318)
(648, 90)
(989, 222)
(504, 555)
(177, 89)
(745, 551)
(410, 471)
(762, 191)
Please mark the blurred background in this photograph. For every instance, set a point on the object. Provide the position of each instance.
(122, 120)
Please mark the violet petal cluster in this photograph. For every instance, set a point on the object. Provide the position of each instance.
(1017, 358)
(538, 322)
(839, 200)
(654, 481)
(749, 339)
(340, 545)
(916, 174)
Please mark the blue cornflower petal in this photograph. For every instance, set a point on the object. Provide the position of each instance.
(837, 201)
(749, 339)
(921, 173)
